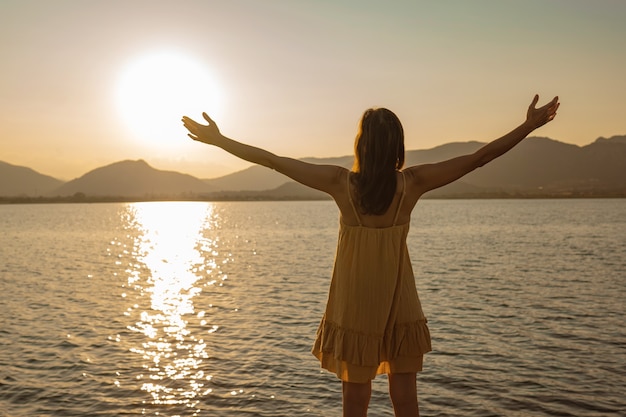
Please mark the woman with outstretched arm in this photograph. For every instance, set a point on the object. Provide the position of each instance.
(373, 323)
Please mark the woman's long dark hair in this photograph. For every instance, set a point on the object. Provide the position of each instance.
(378, 153)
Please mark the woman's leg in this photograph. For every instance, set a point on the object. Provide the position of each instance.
(403, 393)
(356, 398)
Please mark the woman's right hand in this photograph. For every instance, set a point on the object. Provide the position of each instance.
(209, 134)
(539, 117)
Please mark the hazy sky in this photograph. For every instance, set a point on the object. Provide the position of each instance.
(87, 83)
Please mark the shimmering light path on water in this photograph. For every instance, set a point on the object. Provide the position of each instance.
(182, 309)
(161, 289)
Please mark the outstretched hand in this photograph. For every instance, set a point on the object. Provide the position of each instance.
(539, 117)
(209, 133)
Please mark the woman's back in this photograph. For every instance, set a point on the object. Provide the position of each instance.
(398, 212)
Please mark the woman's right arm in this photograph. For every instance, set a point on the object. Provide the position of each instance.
(321, 177)
(430, 176)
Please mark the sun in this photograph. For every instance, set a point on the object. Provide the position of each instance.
(155, 90)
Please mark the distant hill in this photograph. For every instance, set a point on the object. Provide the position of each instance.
(132, 179)
(545, 165)
(538, 167)
(259, 178)
(22, 181)
(287, 191)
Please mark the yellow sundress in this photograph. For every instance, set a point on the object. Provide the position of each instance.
(373, 323)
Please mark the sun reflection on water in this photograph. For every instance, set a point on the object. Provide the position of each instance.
(170, 268)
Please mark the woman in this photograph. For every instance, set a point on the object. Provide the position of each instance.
(373, 322)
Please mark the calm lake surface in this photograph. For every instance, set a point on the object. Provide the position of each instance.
(210, 309)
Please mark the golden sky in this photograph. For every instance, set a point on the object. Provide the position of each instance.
(88, 83)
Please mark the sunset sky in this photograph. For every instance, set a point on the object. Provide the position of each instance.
(88, 83)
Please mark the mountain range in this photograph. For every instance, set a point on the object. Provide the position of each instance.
(537, 167)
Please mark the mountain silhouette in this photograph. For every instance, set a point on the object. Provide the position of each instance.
(536, 167)
(259, 178)
(132, 179)
(22, 181)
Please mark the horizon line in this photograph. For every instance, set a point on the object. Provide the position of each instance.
(311, 157)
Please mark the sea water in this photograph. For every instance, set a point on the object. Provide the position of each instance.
(210, 309)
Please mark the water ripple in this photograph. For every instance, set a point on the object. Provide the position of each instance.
(182, 309)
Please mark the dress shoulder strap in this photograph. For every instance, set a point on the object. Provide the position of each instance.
(395, 219)
(356, 213)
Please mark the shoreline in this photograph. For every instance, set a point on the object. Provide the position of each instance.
(251, 198)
